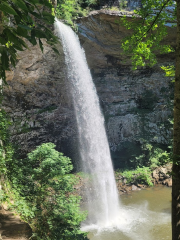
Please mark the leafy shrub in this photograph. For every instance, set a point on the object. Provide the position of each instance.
(139, 175)
(6, 150)
(123, 4)
(151, 156)
(69, 10)
(42, 190)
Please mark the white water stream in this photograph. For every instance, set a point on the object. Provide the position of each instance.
(103, 202)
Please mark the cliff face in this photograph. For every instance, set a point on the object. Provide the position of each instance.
(135, 104)
(39, 102)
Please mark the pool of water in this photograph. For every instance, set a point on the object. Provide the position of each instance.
(144, 215)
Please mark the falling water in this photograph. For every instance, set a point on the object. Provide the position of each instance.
(103, 202)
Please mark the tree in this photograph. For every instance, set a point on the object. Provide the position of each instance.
(42, 190)
(149, 29)
(23, 21)
(176, 140)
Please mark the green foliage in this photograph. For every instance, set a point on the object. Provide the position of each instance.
(42, 190)
(123, 4)
(145, 163)
(139, 175)
(21, 22)
(170, 71)
(151, 156)
(6, 150)
(70, 10)
(149, 29)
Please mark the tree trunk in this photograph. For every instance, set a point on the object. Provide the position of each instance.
(176, 141)
(1, 19)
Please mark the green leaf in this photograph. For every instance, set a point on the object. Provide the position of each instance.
(3, 75)
(18, 47)
(48, 16)
(22, 43)
(12, 52)
(2, 49)
(11, 36)
(21, 31)
(37, 15)
(55, 50)
(13, 62)
(7, 9)
(25, 27)
(5, 59)
(46, 3)
(40, 44)
(32, 39)
(18, 18)
(20, 4)
(33, 1)
(2, 41)
(39, 33)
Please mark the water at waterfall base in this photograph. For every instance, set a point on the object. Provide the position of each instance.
(145, 215)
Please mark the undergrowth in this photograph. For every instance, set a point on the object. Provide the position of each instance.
(39, 188)
(139, 175)
(144, 164)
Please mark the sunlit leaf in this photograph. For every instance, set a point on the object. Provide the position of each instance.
(5, 7)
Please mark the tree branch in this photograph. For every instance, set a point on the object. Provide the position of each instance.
(157, 16)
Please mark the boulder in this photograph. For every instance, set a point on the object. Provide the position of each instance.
(168, 182)
(134, 187)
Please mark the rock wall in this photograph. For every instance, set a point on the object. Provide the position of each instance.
(38, 100)
(135, 104)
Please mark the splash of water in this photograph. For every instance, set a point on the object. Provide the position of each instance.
(103, 202)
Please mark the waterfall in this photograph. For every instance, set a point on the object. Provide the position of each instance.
(103, 202)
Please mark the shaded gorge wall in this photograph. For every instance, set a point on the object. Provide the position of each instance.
(136, 105)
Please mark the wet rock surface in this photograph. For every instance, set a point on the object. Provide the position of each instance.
(162, 175)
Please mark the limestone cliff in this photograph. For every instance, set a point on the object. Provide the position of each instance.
(135, 104)
(39, 102)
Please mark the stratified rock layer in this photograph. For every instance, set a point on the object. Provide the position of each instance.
(39, 102)
(135, 104)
